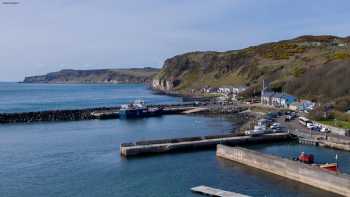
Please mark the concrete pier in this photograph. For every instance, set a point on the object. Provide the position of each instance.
(209, 191)
(304, 173)
(195, 143)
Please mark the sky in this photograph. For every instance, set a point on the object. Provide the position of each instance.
(40, 36)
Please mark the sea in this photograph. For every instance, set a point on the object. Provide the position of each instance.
(81, 158)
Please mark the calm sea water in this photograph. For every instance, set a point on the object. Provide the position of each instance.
(82, 159)
(36, 97)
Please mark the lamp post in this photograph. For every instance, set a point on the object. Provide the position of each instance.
(336, 160)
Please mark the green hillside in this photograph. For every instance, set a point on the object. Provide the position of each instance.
(314, 67)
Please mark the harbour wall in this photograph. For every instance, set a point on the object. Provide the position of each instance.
(79, 114)
(195, 143)
(53, 115)
(329, 140)
(304, 173)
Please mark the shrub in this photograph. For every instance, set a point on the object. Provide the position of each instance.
(321, 113)
(339, 56)
(341, 116)
(297, 71)
(342, 104)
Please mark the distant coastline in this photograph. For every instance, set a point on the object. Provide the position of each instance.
(100, 76)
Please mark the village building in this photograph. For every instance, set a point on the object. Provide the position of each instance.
(231, 89)
(303, 105)
(229, 92)
(276, 99)
(295, 106)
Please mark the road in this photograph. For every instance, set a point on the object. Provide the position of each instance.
(303, 131)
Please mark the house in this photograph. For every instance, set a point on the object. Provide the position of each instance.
(287, 99)
(277, 99)
(238, 90)
(231, 89)
(303, 105)
(307, 105)
(295, 106)
(266, 98)
(225, 90)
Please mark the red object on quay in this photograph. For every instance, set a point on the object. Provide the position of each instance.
(306, 158)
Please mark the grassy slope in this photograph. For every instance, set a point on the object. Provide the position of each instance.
(337, 123)
(295, 66)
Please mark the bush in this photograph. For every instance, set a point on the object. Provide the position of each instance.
(341, 116)
(339, 56)
(321, 113)
(297, 71)
(342, 104)
(282, 51)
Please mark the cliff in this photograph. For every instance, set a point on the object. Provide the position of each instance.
(314, 67)
(132, 75)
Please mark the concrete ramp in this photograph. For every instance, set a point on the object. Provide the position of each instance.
(209, 191)
(195, 110)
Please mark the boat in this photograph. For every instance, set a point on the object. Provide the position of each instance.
(138, 109)
(330, 166)
(306, 158)
(309, 159)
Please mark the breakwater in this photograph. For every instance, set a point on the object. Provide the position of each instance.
(81, 114)
(195, 143)
(304, 173)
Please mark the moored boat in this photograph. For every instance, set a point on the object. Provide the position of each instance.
(309, 159)
(306, 158)
(138, 109)
(330, 166)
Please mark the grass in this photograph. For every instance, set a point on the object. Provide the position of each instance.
(340, 56)
(337, 123)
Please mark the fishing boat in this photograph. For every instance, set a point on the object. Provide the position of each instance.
(138, 109)
(306, 158)
(309, 159)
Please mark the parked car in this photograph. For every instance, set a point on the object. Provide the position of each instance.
(288, 118)
(325, 130)
(309, 125)
(276, 130)
(272, 115)
(294, 115)
(316, 128)
(275, 125)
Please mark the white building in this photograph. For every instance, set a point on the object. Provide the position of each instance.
(277, 99)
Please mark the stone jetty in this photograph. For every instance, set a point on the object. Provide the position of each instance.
(195, 143)
(294, 170)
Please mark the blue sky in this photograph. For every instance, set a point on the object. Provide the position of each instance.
(43, 36)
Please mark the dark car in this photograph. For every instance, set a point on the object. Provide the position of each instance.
(288, 118)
